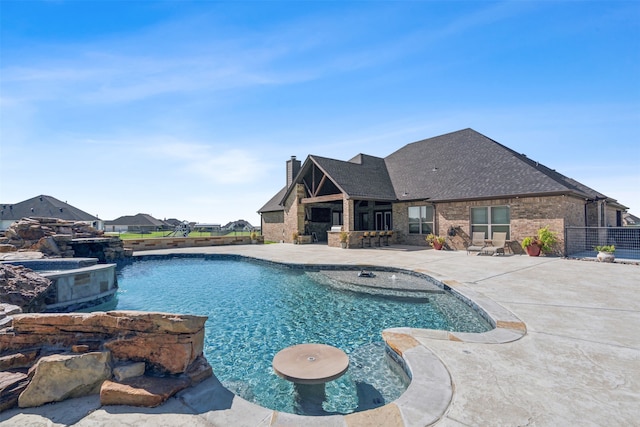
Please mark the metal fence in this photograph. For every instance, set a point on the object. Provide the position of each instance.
(580, 241)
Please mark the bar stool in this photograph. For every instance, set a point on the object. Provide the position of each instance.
(367, 237)
(376, 238)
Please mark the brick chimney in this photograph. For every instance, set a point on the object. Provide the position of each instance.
(293, 167)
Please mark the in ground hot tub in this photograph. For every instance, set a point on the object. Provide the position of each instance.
(78, 284)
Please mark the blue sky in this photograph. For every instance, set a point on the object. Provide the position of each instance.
(190, 109)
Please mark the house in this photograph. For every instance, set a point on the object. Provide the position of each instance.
(140, 223)
(45, 207)
(629, 220)
(239, 225)
(207, 228)
(450, 185)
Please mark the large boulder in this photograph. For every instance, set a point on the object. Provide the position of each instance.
(23, 287)
(167, 343)
(11, 385)
(141, 345)
(5, 247)
(61, 376)
(141, 391)
(128, 370)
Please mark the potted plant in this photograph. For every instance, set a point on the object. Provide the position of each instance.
(344, 238)
(542, 242)
(294, 237)
(254, 237)
(435, 241)
(532, 246)
(605, 253)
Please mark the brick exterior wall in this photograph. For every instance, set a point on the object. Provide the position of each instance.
(611, 217)
(528, 214)
(272, 226)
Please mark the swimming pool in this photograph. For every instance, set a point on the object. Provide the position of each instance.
(257, 309)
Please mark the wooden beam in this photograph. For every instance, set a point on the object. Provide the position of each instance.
(307, 187)
(322, 199)
(322, 180)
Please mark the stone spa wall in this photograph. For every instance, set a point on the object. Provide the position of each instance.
(128, 357)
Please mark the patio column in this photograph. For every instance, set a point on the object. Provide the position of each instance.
(348, 214)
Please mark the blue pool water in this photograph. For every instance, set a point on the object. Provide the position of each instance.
(257, 309)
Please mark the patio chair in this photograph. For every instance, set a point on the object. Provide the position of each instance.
(497, 244)
(477, 242)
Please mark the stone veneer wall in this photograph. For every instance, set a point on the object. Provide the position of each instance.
(294, 214)
(186, 242)
(129, 357)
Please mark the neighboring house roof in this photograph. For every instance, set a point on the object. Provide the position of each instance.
(44, 206)
(462, 165)
(630, 220)
(173, 221)
(241, 223)
(140, 220)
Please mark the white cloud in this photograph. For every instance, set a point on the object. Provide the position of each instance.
(217, 166)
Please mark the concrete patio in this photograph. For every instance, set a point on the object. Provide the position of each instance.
(578, 363)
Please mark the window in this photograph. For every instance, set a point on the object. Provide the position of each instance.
(420, 219)
(364, 221)
(337, 218)
(491, 219)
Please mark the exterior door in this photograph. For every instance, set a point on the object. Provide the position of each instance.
(383, 220)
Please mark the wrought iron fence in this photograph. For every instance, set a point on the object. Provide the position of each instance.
(580, 241)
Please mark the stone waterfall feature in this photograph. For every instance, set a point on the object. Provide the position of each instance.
(59, 238)
(129, 357)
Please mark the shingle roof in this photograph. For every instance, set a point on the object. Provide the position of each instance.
(44, 206)
(363, 176)
(468, 165)
(273, 205)
(462, 165)
(138, 219)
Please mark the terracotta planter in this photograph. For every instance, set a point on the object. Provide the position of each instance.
(437, 246)
(605, 257)
(533, 250)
